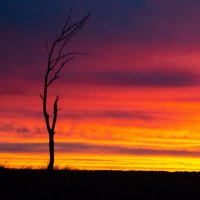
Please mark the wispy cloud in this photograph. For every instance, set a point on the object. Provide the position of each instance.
(5, 127)
(19, 129)
(111, 114)
(17, 112)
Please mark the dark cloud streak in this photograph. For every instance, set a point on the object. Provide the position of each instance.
(136, 78)
(92, 148)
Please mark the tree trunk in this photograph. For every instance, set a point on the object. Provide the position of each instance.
(51, 151)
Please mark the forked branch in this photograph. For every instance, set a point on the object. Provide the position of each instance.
(57, 59)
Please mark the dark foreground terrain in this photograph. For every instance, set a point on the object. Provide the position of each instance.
(41, 184)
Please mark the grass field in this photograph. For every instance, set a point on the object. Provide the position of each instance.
(72, 184)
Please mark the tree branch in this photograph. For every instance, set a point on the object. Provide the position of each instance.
(57, 59)
(42, 97)
(55, 107)
(65, 36)
(56, 75)
(68, 19)
(69, 54)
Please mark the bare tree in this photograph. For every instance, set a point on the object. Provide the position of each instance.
(57, 59)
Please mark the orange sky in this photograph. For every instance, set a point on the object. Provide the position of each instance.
(106, 128)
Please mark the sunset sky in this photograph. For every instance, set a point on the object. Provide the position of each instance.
(133, 104)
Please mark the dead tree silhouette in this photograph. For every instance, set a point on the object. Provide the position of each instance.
(57, 59)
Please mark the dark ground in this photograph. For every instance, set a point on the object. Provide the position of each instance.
(41, 184)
